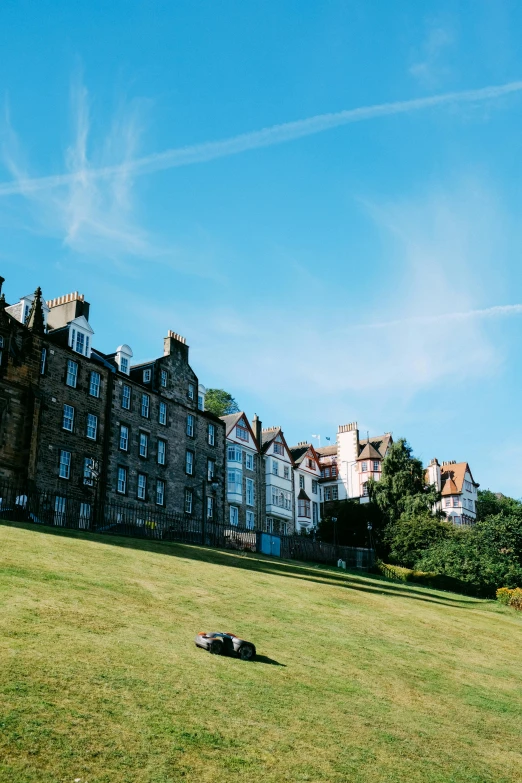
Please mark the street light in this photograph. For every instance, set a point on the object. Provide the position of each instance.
(334, 520)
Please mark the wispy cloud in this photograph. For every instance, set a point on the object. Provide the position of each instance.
(429, 68)
(488, 312)
(266, 137)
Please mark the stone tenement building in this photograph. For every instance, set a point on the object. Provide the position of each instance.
(75, 422)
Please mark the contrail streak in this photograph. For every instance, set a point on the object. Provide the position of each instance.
(488, 312)
(275, 134)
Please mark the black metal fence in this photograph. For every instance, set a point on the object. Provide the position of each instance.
(83, 512)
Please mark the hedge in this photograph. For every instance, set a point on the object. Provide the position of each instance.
(430, 579)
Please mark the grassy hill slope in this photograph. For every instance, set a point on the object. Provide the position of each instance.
(361, 679)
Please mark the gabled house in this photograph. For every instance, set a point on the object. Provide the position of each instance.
(245, 472)
(307, 473)
(279, 482)
(347, 466)
(458, 490)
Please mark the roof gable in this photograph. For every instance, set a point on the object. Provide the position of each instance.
(239, 419)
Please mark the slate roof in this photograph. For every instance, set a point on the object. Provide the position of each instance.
(369, 452)
(231, 419)
(302, 495)
(381, 443)
(298, 453)
(327, 451)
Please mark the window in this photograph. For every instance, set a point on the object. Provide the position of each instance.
(201, 402)
(79, 347)
(249, 461)
(310, 463)
(94, 384)
(322, 472)
(164, 377)
(146, 376)
(301, 482)
(278, 448)
(455, 501)
(210, 508)
(303, 508)
(468, 486)
(284, 528)
(122, 481)
(327, 472)
(457, 520)
(43, 357)
(335, 493)
(281, 498)
(471, 505)
(365, 490)
(68, 418)
(315, 513)
(190, 425)
(211, 434)
(315, 487)
(234, 516)
(72, 374)
(269, 525)
(162, 413)
(234, 454)
(275, 467)
(241, 432)
(286, 471)
(92, 426)
(188, 501)
(145, 406)
(142, 486)
(162, 451)
(191, 391)
(160, 492)
(235, 481)
(87, 472)
(126, 397)
(447, 502)
(124, 438)
(364, 467)
(189, 462)
(65, 465)
(211, 469)
(249, 492)
(375, 465)
(334, 470)
(327, 494)
(59, 511)
(85, 515)
(124, 365)
(144, 444)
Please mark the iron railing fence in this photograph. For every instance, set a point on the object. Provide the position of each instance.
(79, 511)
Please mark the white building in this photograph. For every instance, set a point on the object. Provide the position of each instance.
(278, 482)
(347, 466)
(307, 473)
(245, 476)
(458, 490)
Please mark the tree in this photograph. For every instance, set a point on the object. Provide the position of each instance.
(402, 488)
(413, 534)
(220, 402)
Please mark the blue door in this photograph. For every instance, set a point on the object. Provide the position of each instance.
(269, 544)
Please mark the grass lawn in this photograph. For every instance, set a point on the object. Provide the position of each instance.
(360, 679)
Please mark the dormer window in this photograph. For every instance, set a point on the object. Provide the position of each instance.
(122, 357)
(146, 376)
(80, 336)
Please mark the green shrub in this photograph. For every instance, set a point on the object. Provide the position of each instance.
(516, 598)
(427, 579)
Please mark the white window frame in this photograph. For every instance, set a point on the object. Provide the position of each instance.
(210, 507)
(191, 391)
(234, 454)
(249, 461)
(64, 470)
(190, 425)
(242, 432)
(315, 487)
(124, 365)
(60, 510)
(275, 467)
(211, 469)
(71, 378)
(92, 426)
(124, 437)
(249, 492)
(211, 435)
(162, 414)
(164, 379)
(43, 358)
(68, 418)
(234, 516)
(144, 445)
(141, 492)
(145, 406)
(364, 467)
(250, 520)
(335, 493)
(87, 472)
(126, 396)
(162, 451)
(189, 462)
(122, 477)
(147, 375)
(235, 481)
(160, 492)
(301, 481)
(189, 501)
(94, 384)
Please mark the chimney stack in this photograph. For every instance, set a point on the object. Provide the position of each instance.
(2, 281)
(170, 341)
(257, 427)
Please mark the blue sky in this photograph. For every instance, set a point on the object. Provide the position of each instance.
(359, 266)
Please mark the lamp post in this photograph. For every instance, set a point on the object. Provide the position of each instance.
(334, 520)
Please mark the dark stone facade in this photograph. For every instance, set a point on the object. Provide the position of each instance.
(38, 434)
